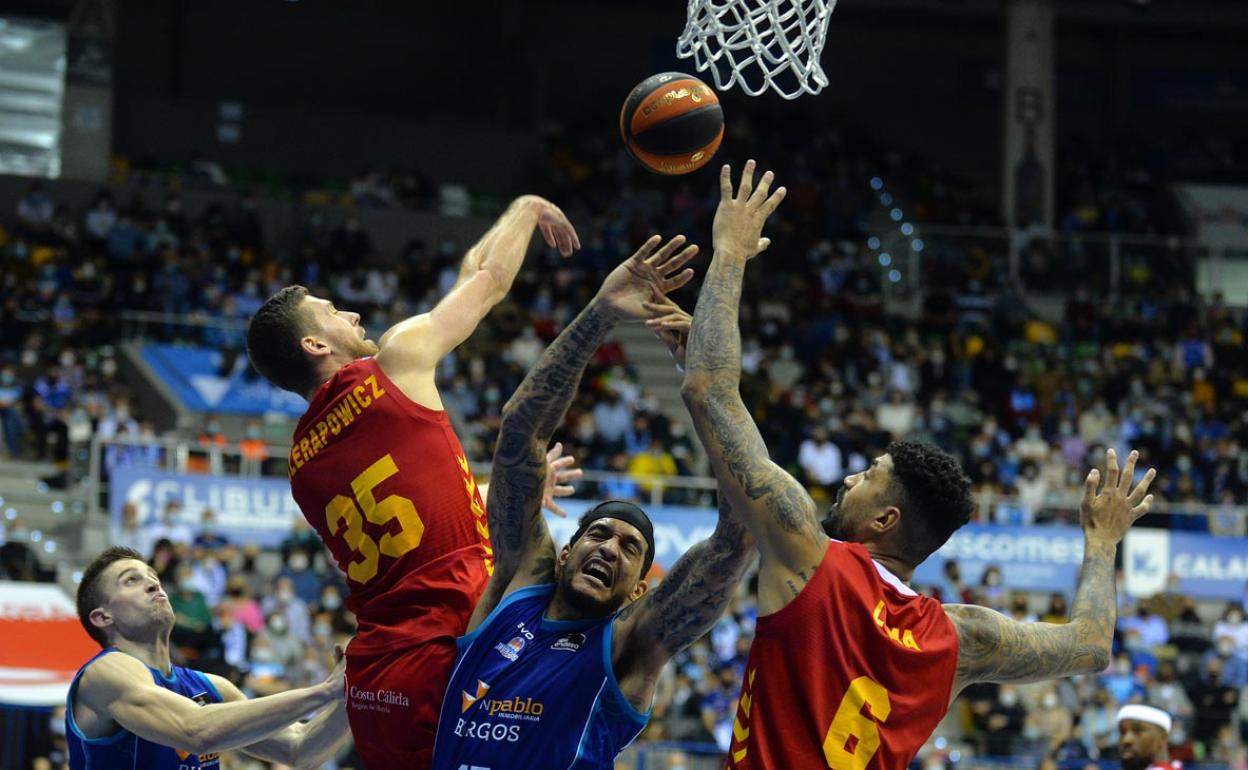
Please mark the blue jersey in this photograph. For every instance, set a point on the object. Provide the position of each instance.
(528, 692)
(123, 750)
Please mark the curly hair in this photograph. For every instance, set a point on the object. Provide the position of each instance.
(273, 340)
(933, 494)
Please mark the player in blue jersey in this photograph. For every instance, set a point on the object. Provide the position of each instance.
(129, 707)
(559, 667)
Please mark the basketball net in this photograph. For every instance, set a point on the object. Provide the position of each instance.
(760, 44)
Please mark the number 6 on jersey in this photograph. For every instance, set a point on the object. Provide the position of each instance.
(854, 737)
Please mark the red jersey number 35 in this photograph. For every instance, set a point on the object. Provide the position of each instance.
(345, 518)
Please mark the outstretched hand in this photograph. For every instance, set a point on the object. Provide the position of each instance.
(336, 682)
(1107, 516)
(556, 230)
(671, 324)
(651, 272)
(739, 220)
(560, 471)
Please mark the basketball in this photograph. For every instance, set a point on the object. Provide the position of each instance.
(672, 123)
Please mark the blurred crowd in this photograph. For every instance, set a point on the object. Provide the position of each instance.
(830, 373)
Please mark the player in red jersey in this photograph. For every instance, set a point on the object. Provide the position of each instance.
(1143, 738)
(850, 667)
(379, 473)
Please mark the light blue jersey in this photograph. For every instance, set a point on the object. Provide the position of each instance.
(528, 692)
(123, 750)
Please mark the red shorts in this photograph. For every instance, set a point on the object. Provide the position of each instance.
(393, 701)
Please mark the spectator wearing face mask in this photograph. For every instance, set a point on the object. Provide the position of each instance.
(1234, 664)
(241, 606)
(1167, 693)
(1099, 723)
(1003, 723)
(1141, 655)
(208, 536)
(1050, 724)
(1152, 628)
(1121, 682)
(192, 626)
(287, 603)
(1234, 627)
(1214, 699)
(1189, 632)
(208, 576)
(304, 578)
(170, 526)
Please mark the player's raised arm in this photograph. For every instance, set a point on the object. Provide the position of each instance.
(485, 277)
(692, 596)
(770, 502)
(523, 551)
(994, 648)
(122, 687)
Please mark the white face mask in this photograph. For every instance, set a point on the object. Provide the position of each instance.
(1050, 701)
(298, 562)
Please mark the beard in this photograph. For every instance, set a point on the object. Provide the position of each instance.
(584, 605)
(361, 348)
(832, 521)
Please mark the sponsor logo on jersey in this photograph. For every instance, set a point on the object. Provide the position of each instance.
(511, 650)
(514, 708)
(569, 642)
(468, 699)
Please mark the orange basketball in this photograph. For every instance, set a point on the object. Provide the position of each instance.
(672, 123)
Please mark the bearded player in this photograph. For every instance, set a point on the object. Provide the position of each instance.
(379, 473)
(879, 663)
(566, 647)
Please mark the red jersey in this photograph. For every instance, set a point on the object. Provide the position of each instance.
(856, 672)
(385, 483)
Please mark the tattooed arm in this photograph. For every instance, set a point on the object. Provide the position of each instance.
(524, 553)
(767, 500)
(994, 648)
(685, 606)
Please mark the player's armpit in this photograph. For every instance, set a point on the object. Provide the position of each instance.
(418, 343)
(692, 596)
(994, 648)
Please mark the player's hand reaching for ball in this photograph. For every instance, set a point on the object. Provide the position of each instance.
(670, 323)
(1107, 516)
(560, 472)
(556, 229)
(739, 220)
(651, 272)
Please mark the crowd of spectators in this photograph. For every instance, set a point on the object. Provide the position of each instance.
(829, 372)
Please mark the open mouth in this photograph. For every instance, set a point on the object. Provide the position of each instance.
(597, 570)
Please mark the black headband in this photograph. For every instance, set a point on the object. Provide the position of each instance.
(624, 511)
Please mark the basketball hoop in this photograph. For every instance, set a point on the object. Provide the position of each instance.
(760, 44)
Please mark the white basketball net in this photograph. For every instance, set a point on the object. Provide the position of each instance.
(760, 44)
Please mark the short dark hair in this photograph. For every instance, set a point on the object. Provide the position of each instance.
(273, 341)
(626, 512)
(91, 594)
(933, 493)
